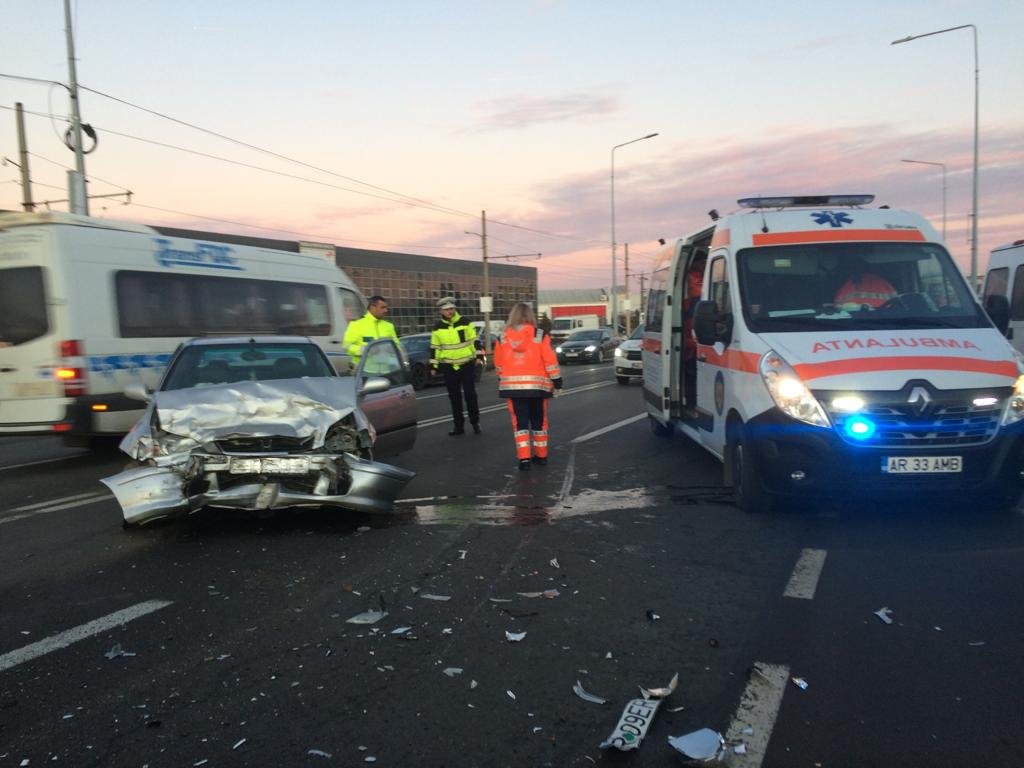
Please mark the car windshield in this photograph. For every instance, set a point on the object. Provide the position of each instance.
(203, 365)
(638, 333)
(585, 336)
(854, 286)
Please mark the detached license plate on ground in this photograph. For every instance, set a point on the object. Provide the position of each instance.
(921, 465)
(297, 465)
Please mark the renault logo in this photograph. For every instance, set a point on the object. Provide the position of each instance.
(919, 399)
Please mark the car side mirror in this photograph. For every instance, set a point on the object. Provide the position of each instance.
(997, 307)
(138, 391)
(374, 385)
(710, 325)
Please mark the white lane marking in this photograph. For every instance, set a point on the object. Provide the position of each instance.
(43, 461)
(804, 579)
(609, 428)
(757, 710)
(54, 505)
(570, 474)
(73, 635)
(433, 422)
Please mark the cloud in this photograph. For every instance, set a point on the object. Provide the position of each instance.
(525, 111)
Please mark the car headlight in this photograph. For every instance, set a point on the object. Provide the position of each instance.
(558, 350)
(789, 392)
(590, 348)
(619, 352)
(1015, 407)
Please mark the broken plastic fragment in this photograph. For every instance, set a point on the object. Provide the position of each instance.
(116, 651)
(473, 684)
(462, 554)
(367, 617)
(401, 630)
(548, 593)
(652, 616)
(740, 749)
(537, 729)
(511, 695)
(514, 637)
(592, 698)
(800, 683)
(238, 743)
(660, 693)
(748, 731)
(632, 727)
(698, 745)
(452, 671)
(429, 596)
(500, 599)
(884, 614)
(554, 562)
(975, 644)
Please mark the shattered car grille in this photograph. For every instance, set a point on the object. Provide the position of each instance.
(269, 444)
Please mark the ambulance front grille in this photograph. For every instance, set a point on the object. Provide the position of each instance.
(945, 422)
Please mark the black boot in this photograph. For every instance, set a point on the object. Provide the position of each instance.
(524, 465)
(476, 428)
(542, 460)
(457, 431)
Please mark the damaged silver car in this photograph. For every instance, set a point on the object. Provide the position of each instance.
(262, 423)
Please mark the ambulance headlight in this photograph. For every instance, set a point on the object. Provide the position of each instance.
(619, 352)
(1015, 408)
(789, 392)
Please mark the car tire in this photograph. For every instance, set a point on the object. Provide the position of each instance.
(623, 380)
(659, 429)
(750, 494)
(420, 376)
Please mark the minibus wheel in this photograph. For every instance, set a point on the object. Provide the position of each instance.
(750, 495)
(659, 429)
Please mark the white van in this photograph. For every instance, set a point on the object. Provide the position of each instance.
(1005, 277)
(836, 350)
(88, 306)
(563, 327)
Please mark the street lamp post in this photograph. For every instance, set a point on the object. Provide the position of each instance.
(615, 303)
(943, 167)
(974, 183)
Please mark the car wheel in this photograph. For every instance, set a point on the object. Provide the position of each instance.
(659, 429)
(750, 495)
(623, 380)
(420, 376)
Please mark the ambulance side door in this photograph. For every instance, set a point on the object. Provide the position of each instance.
(713, 373)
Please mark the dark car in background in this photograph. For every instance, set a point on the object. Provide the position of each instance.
(587, 346)
(417, 351)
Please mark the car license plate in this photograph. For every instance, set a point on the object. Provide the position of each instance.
(921, 465)
(572, 354)
(292, 465)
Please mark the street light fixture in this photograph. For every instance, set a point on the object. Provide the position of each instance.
(615, 302)
(974, 183)
(943, 167)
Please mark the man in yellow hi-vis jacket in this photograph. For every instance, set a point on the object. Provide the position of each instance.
(369, 327)
(453, 351)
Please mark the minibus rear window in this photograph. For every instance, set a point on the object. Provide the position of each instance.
(22, 305)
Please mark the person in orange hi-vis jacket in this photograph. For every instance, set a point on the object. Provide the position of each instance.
(528, 375)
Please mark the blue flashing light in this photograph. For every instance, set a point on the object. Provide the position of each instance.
(859, 428)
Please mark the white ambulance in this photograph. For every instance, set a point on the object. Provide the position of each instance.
(819, 347)
(88, 306)
(1005, 277)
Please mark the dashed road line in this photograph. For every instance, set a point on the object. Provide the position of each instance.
(754, 719)
(81, 632)
(43, 461)
(54, 505)
(804, 580)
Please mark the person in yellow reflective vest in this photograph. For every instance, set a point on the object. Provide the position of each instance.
(453, 352)
(369, 327)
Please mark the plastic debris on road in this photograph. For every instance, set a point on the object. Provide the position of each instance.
(116, 651)
(704, 744)
(740, 749)
(548, 593)
(430, 596)
(452, 671)
(318, 753)
(401, 630)
(975, 644)
(367, 617)
(554, 562)
(511, 695)
(514, 637)
(592, 698)
(238, 743)
(463, 553)
(884, 614)
(800, 683)
(652, 616)
(661, 693)
(633, 724)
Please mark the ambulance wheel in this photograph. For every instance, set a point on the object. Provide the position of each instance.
(750, 495)
(659, 429)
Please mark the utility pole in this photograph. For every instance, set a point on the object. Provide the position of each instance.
(26, 182)
(486, 302)
(643, 276)
(76, 179)
(629, 306)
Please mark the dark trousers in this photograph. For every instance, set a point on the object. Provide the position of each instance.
(462, 383)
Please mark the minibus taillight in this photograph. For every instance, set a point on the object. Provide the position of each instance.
(70, 372)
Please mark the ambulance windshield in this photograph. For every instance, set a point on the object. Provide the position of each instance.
(854, 286)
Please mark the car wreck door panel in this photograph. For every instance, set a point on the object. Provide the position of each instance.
(392, 413)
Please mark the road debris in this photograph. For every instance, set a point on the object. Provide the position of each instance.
(473, 684)
(800, 683)
(116, 651)
(550, 594)
(239, 743)
(704, 744)
(554, 562)
(462, 554)
(632, 727)
(511, 695)
(537, 729)
(367, 617)
(514, 637)
(884, 614)
(452, 671)
(401, 630)
(652, 616)
(975, 644)
(363, 529)
(431, 596)
(740, 749)
(318, 753)
(661, 693)
(500, 599)
(592, 698)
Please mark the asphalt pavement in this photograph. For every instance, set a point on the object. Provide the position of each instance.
(224, 639)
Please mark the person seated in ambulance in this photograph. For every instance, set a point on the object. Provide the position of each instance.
(694, 284)
(864, 290)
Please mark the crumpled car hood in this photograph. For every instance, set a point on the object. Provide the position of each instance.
(288, 408)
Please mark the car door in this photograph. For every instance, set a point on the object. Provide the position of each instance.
(392, 412)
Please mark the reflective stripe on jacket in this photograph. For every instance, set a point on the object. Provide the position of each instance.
(452, 342)
(364, 330)
(525, 362)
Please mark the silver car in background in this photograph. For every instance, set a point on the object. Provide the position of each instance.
(263, 423)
